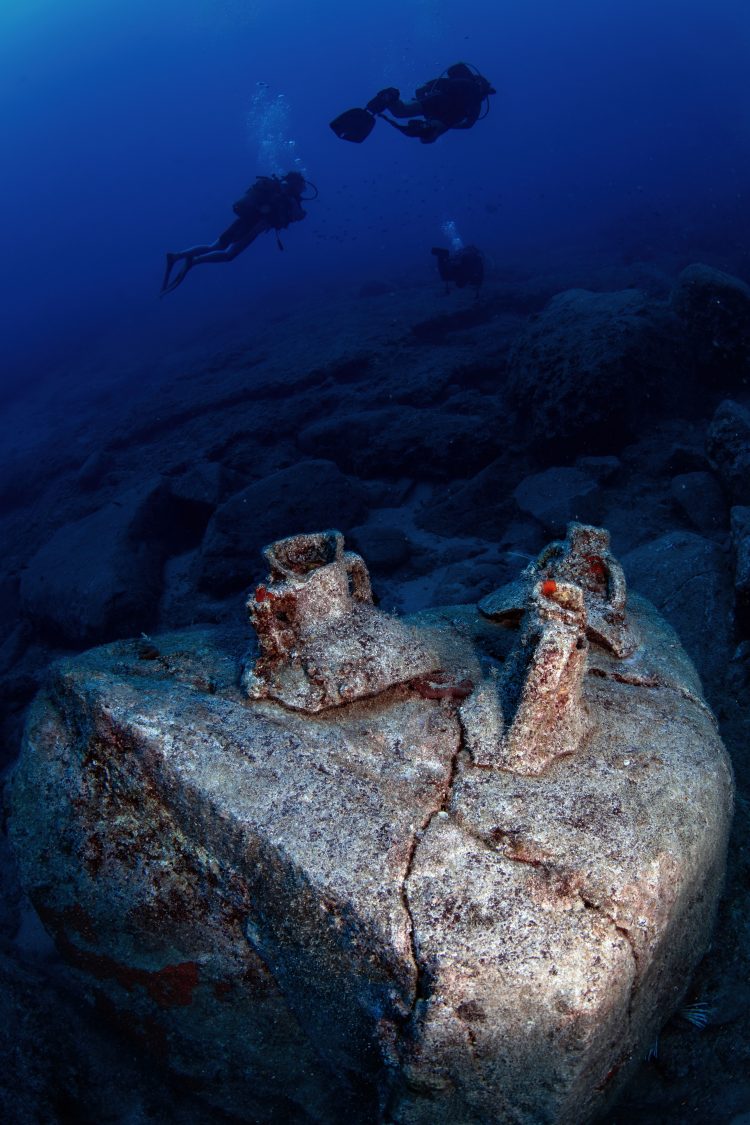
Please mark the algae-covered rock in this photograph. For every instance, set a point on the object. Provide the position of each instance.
(471, 892)
(588, 368)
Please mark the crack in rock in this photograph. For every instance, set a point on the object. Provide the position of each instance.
(653, 683)
(441, 809)
(556, 873)
(564, 879)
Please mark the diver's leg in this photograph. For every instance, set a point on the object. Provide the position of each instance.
(228, 253)
(179, 278)
(188, 256)
(171, 259)
(383, 99)
(213, 253)
(400, 108)
(197, 251)
(213, 256)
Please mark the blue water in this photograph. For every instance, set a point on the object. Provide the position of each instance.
(129, 130)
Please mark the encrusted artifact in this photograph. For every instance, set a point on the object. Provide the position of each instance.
(584, 559)
(457, 868)
(536, 705)
(322, 640)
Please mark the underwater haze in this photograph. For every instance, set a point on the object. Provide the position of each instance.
(130, 128)
(591, 365)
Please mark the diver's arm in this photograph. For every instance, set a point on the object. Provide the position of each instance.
(467, 121)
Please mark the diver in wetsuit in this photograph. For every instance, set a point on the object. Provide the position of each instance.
(271, 203)
(461, 267)
(455, 100)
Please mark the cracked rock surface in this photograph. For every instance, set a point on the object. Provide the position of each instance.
(340, 916)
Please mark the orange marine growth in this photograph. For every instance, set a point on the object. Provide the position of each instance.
(597, 568)
(549, 587)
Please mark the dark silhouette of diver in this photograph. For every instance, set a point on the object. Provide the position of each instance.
(462, 267)
(457, 99)
(272, 203)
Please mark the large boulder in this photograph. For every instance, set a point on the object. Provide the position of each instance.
(433, 444)
(586, 370)
(473, 894)
(689, 579)
(307, 495)
(100, 577)
(715, 309)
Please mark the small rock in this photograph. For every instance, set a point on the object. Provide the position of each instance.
(740, 523)
(385, 548)
(10, 892)
(478, 506)
(679, 458)
(202, 485)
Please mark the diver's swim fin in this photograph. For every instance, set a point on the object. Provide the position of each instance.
(354, 125)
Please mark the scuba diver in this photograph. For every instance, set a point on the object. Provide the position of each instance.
(463, 266)
(271, 203)
(456, 100)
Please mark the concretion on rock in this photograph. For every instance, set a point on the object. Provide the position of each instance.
(432, 905)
